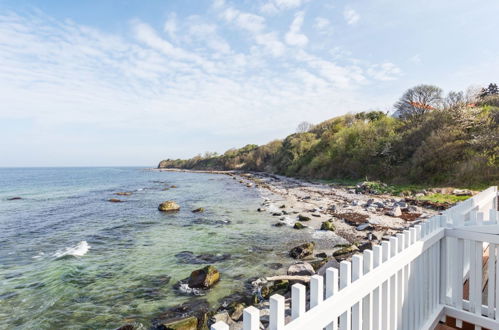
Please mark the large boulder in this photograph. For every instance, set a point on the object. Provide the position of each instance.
(204, 278)
(168, 206)
(302, 251)
(301, 268)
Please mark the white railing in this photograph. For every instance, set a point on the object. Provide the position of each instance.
(410, 281)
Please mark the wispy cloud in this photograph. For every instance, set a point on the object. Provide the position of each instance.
(351, 16)
(274, 6)
(182, 74)
(294, 37)
(384, 71)
(321, 23)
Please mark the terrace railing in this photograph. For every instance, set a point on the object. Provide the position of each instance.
(411, 281)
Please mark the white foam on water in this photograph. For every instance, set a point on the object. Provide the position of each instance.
(78, 250)
(185, 288)
(38, 256)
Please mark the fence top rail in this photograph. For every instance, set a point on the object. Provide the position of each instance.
(472, 235)
(478, 200)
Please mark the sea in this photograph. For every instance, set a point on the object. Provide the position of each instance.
(71, 259)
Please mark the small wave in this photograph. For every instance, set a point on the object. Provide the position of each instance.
(39, 255)
(78, 250)
(184, 288)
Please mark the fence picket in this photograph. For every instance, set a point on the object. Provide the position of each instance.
(385, 291)
(491, 280)
(367, 303)
(357, 308)
(316, 290)
(345, 280)
(219, 326)
(251, 318)
(377, 302)
(331, 289)
(276, 321)
(298, 300)
(393, 286)
(497, 283)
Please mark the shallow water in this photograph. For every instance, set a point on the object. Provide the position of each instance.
(71, 259)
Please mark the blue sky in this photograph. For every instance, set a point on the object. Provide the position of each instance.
(93, 83)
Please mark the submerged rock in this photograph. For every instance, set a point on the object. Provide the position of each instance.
(188, 257)
(195, 309)
(186, 323)
(198, 210)
(204, 278)
(123, 193)
(301, 268)
(168, 206)
(302, 251)
(14, 198)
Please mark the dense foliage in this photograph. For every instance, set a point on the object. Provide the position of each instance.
(455, 144)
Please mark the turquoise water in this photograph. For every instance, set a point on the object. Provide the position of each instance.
(69, 259)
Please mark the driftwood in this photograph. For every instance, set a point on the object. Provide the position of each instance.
(299, 278)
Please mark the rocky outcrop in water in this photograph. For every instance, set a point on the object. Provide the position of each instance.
(169, 206)
(191, 315)
(204, 278)
(115, 200)
(302, 251)
(198, 210)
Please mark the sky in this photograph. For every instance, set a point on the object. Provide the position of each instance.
(119, 83)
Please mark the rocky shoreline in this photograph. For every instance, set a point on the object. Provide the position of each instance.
(352, 219)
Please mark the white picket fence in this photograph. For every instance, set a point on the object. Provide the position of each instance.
(409, 282)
